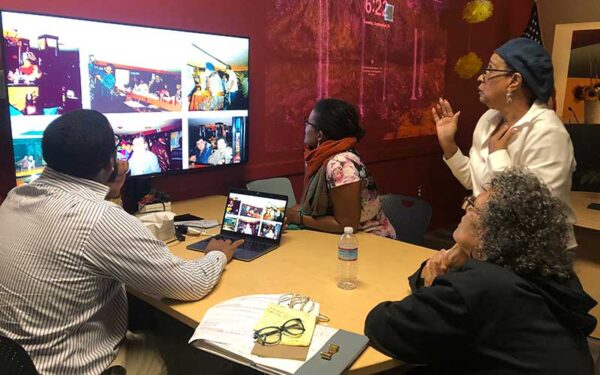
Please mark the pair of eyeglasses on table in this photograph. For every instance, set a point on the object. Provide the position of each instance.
(273, 335)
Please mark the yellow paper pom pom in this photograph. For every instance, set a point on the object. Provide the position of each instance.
(476, 11)
(468, 65)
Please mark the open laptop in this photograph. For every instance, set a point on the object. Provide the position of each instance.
(253, 216)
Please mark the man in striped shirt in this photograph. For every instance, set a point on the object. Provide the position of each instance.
(66, 255)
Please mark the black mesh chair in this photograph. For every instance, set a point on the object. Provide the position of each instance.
(276, 185)
(409, 216)
(14, 360)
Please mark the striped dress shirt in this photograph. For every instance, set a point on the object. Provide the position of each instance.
(66, 255)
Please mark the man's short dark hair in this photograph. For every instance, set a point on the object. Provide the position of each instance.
(79, 143)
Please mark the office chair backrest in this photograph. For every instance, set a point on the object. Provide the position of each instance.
(277, 185)
(14, 360)
(409, 216)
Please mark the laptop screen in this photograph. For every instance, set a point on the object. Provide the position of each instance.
(254, 214)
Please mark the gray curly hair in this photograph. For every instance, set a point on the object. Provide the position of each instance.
(524, 228)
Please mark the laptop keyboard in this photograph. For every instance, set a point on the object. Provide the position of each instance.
(247, 245)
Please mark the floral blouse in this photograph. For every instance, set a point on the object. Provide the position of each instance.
(346, 168)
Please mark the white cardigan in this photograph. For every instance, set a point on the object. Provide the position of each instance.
(542, 145)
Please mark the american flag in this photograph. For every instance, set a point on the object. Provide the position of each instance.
(532, 31)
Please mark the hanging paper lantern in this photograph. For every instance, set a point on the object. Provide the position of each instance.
(476, 11)
(468, 65)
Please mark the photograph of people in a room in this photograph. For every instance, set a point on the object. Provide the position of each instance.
(27, 134)
(270, 230)
(116, 85)
(29, 162)
(216, 140)
(249, 210)
(217, 75)
(274, 213)
(233, 206)
(150, 145)
(248, 226)
(42, 72)
(230, 223)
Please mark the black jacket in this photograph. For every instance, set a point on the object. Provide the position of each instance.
(485, 319)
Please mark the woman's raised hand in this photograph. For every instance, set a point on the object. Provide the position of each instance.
(446, 125)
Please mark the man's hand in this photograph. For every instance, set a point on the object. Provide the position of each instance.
(116, 185)
(226, 247)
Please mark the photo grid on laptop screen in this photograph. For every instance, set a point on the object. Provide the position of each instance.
(256, 216)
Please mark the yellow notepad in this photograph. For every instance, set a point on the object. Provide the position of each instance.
(275, 315)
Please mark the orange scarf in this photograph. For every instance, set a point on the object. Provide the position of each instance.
(315, 158)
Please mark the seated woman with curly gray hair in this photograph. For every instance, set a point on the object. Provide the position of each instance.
(503, 300)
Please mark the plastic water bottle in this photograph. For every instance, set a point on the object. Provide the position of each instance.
(347, 271)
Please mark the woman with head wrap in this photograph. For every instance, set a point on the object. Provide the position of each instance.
(518, 129)
(505, 300)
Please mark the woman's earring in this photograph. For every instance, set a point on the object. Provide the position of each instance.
(508, 97)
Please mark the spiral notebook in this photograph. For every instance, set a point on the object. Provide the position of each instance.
(226, 330)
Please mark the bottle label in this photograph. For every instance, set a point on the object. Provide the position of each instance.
(347, 254)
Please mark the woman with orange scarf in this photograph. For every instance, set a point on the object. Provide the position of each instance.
(338, 191)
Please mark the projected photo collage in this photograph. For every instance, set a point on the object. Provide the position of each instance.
(256, 216)
(177, 100)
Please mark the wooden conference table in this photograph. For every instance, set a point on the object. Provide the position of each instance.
(587, 232)
(306, 263)
(586, 217)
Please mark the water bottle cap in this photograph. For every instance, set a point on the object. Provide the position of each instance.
(348, 230)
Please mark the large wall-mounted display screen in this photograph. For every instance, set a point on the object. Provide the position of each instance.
(177, 100)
